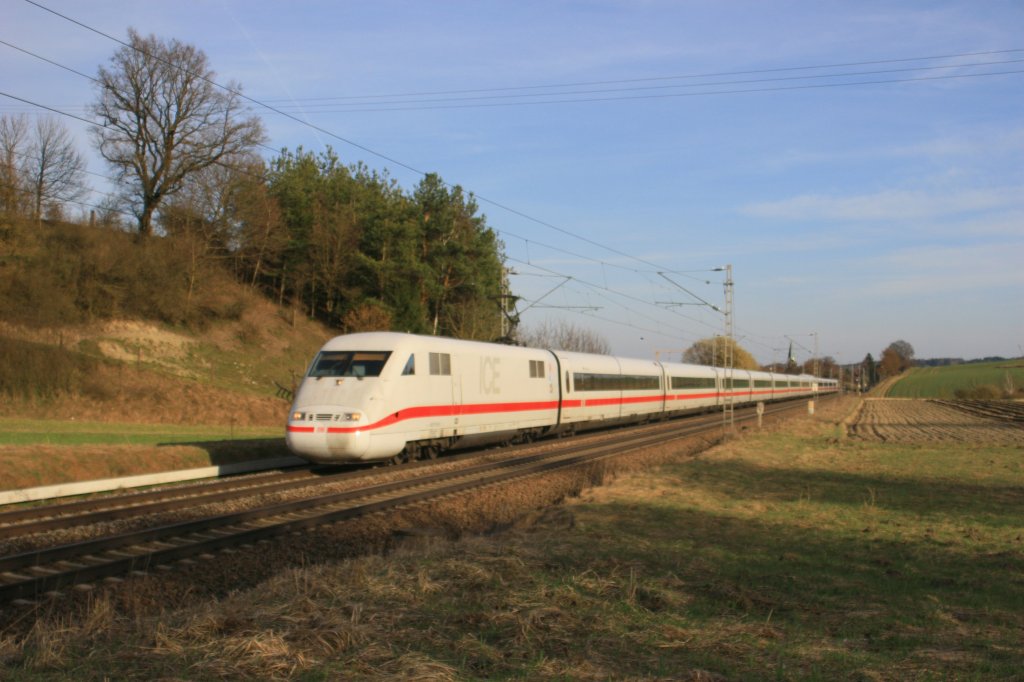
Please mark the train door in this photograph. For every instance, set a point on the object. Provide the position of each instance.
(456, 390)
(458, 427)
(442, 394)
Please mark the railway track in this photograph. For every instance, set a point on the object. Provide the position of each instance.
(42, 572)
(37, 519)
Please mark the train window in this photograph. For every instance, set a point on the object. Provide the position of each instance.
(536, 369)
(410, 366)
(568, 384)
(693, 382)
(762, 383)
(440, 364)
(346, 363)
(616, 382)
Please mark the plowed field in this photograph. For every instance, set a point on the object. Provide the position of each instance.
(922, 421)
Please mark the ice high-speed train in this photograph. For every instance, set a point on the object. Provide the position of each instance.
(381, 395)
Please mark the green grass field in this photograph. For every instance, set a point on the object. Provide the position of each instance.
(36, 452)
(50, 432)
(943, 382)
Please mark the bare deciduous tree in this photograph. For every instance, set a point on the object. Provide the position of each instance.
(14, 144)
(40, 168)
(163, 118)
(54, 169)
(564, 335)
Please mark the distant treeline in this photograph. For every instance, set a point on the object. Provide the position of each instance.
(946, 362)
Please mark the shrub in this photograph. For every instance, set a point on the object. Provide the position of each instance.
(983, 392)
(32, 370)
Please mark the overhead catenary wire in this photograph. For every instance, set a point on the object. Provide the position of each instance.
(591, 285)
(599, 287)
(409, 167)
(718, 74)
(236, 169)
(86, 204)
(399, 103)
(333, 135)
(708, 93)
(304, 104)
(485, 199)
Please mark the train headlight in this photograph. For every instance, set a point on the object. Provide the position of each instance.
(352, 416)
(298, 416)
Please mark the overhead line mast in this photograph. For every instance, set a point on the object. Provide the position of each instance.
(728, 354)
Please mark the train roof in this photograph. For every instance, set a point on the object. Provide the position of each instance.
(403, 341)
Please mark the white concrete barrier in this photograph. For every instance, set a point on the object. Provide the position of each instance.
(48, 492)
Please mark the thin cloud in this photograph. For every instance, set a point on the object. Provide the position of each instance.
(888, 205)
(938, 269)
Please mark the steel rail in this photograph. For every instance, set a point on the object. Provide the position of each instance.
(35, 573)
(39, 518)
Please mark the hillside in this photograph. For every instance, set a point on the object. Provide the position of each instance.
(989, 380)
(141, 371)
(96, 327)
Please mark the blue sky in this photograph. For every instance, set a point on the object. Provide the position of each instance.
(859, 210)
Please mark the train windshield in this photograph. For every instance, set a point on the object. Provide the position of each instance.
(348, 363)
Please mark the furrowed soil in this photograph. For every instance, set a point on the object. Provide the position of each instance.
(789, 553)
(923, 421)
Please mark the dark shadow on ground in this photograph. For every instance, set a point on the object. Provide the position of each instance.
(921, 496)
(935, 608)
(230, 451)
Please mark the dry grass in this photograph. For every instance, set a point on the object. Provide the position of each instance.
(785, 556)
(349, 617)
(39, 465)
(118, 393)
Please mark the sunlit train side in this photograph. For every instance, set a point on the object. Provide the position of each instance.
(368, 396)
(375, 396)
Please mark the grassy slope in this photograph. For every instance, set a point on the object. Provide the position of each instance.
(941, 382)
(36, 452)
(784, 555)
(151, 398)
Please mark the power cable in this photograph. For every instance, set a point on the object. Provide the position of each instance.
(28, 52)
(709, 93)
(333, 135)
(87, 172)
(660, 78)
(236, 169)
(659, 87)
(75, 201)
(598, 287)
(480, 197)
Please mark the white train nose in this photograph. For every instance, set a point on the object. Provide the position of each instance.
(327, 435)
(324, 444)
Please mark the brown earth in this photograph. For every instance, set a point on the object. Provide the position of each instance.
(923, 421)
